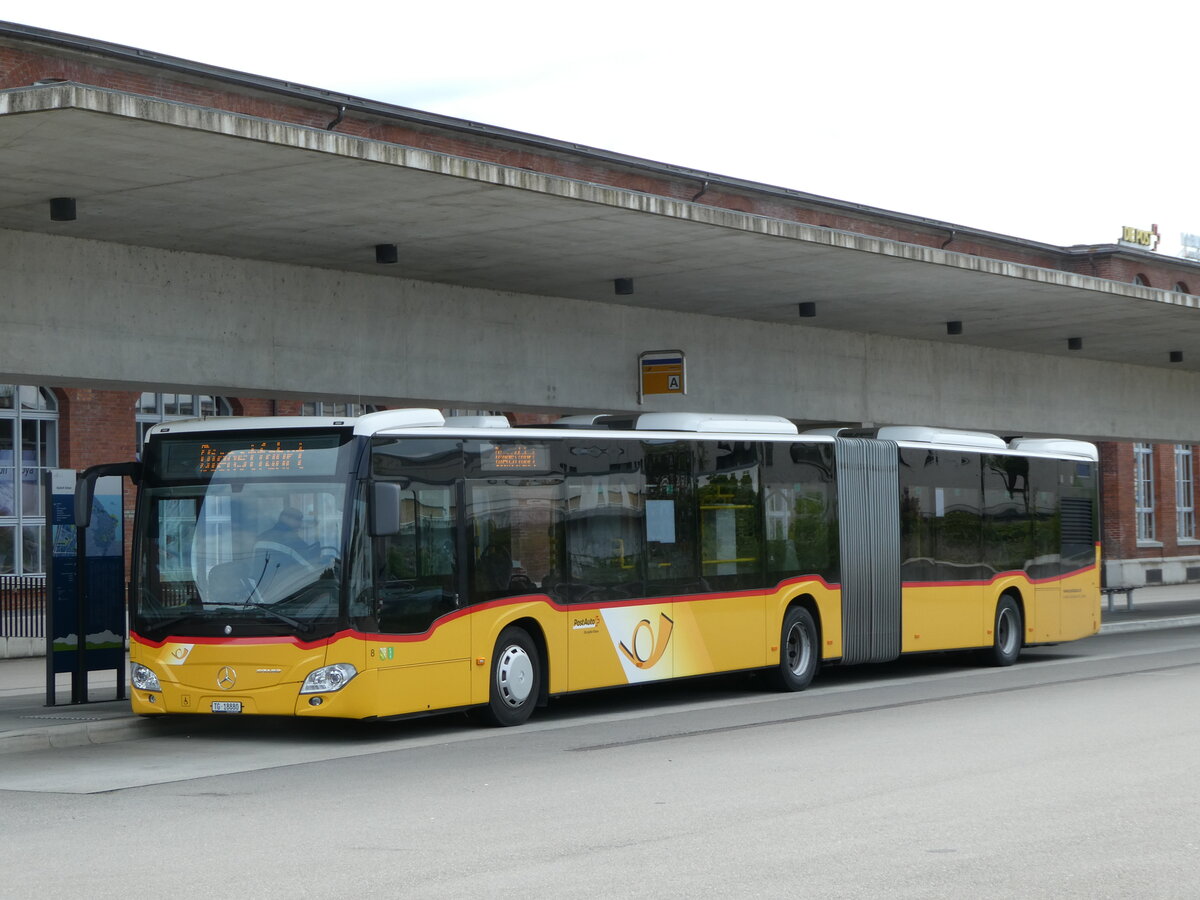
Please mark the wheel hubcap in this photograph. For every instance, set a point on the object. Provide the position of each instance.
(1006, 633)
(799, 649)
(514, 676)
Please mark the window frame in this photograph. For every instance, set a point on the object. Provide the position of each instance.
(38, 406)
(146, 418)
(1185, 493)
(336, 409)
(1143, 492)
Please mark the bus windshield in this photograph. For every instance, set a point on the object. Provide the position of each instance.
(244, 550)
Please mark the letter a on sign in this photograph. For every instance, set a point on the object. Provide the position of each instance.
(661, 372)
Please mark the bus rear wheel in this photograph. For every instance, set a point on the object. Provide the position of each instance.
(516, 679)
(799, 651)
(1006, 634)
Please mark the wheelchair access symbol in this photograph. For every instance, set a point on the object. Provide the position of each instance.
(648, 648)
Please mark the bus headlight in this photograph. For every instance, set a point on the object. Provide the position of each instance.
(328, 679)
(143, 679)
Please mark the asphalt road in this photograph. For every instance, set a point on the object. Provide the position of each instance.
(1075, 773)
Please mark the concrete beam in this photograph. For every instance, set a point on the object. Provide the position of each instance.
(94, 313)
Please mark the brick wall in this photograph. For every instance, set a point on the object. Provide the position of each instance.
(1118, 533)
(1164, 272)
(95, 427)
(1119, 524)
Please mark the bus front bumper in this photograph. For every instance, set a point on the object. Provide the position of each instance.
(355, 700)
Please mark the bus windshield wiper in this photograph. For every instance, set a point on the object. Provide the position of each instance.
(287, 620)
(164, 624)
(167, 623)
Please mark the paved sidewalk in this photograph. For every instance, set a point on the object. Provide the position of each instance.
(26, 723)
(1158, 606)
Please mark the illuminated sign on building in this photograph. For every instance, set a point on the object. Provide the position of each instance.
(1136, 237)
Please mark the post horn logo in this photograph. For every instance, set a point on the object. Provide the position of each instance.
(226, 678)
(647, 648)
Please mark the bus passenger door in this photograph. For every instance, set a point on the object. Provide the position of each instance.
(610, 641)
(1045, 567)
(513, 505)
(422, 645)
(618, 632)
(1080, 602)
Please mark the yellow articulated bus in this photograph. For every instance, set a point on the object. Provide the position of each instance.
(401, 563)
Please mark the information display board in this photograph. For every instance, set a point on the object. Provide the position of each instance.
(85, 582)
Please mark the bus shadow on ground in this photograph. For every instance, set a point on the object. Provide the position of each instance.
(661, 697)
(332, 732)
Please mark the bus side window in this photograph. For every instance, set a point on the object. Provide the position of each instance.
(605, 538)
(513, 517)
(1046, 554)
(672, 564)
(1007, 515)
(941, 515)
(515, 531)
(800, 510)
(730, 519)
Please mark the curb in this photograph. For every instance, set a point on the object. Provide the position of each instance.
(74, 734)
(1149, 624)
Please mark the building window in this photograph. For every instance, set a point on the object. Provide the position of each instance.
(337, 410)
(1185, 493)
(1181, 287)
(1141, 279)
(154, 408)
(1143, 490)
(28, 449)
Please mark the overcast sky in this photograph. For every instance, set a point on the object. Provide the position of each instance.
(1052, 121)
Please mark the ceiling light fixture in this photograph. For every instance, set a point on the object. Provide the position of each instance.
(62, 209)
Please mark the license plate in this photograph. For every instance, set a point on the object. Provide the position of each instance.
(227, 706)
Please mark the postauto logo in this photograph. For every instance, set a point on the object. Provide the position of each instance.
(648, 645)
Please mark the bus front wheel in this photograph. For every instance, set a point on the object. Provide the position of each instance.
(1007, 633)
(799, 651)
(516, 679)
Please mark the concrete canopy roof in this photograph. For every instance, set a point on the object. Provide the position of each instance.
(153, 173)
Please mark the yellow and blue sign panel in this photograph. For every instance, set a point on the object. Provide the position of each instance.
(662, 372)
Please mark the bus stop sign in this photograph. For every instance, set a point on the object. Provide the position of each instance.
(661, 372)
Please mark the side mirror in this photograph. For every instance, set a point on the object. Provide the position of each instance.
(385, 508)
(85, 487)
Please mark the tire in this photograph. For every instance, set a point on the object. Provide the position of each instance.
(1007, 633)
(799, 651)
(516, 680)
